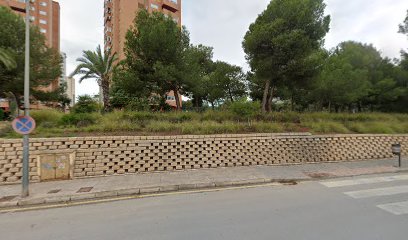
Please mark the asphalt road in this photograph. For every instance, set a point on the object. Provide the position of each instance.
(364, 208)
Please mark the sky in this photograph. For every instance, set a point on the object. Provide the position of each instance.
(222, 25)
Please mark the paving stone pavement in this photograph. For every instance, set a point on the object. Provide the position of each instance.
(100, 187)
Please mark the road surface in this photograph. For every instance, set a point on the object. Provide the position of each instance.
(362, 208)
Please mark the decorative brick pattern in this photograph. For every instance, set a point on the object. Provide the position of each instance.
(125, 155)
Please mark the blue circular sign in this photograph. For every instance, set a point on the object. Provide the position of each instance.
(23, 125)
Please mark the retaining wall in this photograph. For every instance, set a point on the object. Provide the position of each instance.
(98, 156)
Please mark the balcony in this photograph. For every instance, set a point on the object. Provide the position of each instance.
(171, 5)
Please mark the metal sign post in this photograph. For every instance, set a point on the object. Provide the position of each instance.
(396, 150)
(26, 141)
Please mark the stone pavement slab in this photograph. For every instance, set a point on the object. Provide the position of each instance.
(103, 187)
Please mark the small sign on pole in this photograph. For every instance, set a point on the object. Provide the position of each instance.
(24, 125)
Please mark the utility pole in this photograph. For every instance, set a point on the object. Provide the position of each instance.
(26, 140)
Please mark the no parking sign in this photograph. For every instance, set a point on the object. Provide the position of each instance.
(24, 125)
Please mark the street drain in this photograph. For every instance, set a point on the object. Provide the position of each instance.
(54, 191)
(319, 175)
(85, 189)
(288, 182)
(7, 198)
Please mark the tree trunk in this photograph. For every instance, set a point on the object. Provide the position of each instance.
(176, 96)
(101, 94)
(270, 99)
(105, 92)
(265, 96)
(230, 95)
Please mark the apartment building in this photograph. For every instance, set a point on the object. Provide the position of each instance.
(119, 16)
(69, 82)
(43, 13)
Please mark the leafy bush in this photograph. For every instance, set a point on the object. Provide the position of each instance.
(86, 104)
(244, 109)
(2, 115)
(47, 118)
(138, 104)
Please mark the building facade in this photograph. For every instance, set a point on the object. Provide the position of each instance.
(44, 13)
(69, 82)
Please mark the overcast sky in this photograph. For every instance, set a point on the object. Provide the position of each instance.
(222, 24)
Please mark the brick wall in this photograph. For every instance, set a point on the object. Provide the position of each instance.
(97, 156)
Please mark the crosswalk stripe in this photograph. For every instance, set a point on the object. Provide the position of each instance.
(360, 181)
(376, 192)
(398, 208)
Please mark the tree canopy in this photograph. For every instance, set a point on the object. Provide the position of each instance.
(155, 51)
(100, 66)
(45, 62)
(282, 39)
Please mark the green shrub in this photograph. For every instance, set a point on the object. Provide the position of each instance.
(86, 104)
(47, 118)
(244, 109)
(79, 119)
(2, 115)
(138, 104)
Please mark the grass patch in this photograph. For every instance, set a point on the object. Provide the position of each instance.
(52, 123)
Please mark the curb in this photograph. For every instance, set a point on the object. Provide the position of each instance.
(84, 197)
(31, 202)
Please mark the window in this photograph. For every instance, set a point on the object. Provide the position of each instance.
(171, 98)
(44, 4)
(43, 13)
(43, 21)
(43, 30)
(154, 6)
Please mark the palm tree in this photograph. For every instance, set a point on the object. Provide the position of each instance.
(6, 59)
(99, 66)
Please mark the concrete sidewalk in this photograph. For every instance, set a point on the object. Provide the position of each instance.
(112, 186)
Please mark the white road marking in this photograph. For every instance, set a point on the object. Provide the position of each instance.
(360, 181)
(376, 192)
(398, 208)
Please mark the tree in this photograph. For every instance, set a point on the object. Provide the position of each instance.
(281, 38)
(45, 63)
(155, 51)
(403, 28)
(229, 80)
(356, 76)
(99, 66)
(200, 64)
(7, 59)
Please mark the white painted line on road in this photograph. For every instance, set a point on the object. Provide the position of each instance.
(377, 192)
(399, 208)
(360, 181)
